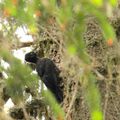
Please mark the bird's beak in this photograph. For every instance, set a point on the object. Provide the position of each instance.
(25, 62)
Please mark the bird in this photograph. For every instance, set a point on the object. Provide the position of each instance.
(48, 73)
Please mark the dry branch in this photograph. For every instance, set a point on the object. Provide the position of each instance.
(22, 45)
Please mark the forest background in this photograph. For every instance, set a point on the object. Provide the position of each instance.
(82, 38)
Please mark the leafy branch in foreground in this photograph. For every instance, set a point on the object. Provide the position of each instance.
(70, 17)
(19, 76)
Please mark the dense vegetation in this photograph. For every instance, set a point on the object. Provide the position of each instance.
(61, 29)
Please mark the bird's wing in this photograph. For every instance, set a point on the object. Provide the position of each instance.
(40, 67)
(53, 86)
(49, 75)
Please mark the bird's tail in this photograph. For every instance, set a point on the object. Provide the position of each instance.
(59, 95)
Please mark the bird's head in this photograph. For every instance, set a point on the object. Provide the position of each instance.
(31, 57)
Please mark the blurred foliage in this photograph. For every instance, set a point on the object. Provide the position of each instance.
(19, 75)
(58, 112)
(70, 16)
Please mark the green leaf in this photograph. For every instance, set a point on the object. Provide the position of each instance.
(97, 115)
(72, 49)
(113, 2)
(97, 3)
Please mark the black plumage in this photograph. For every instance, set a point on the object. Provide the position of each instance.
(48, 72)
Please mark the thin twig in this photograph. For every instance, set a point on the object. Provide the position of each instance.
(72, 101)
(22, 45)
(99, 75)
(107, 90)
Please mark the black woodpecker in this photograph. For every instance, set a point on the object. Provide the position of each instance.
(48, 72)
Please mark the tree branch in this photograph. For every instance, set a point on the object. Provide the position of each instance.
(22, 45)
